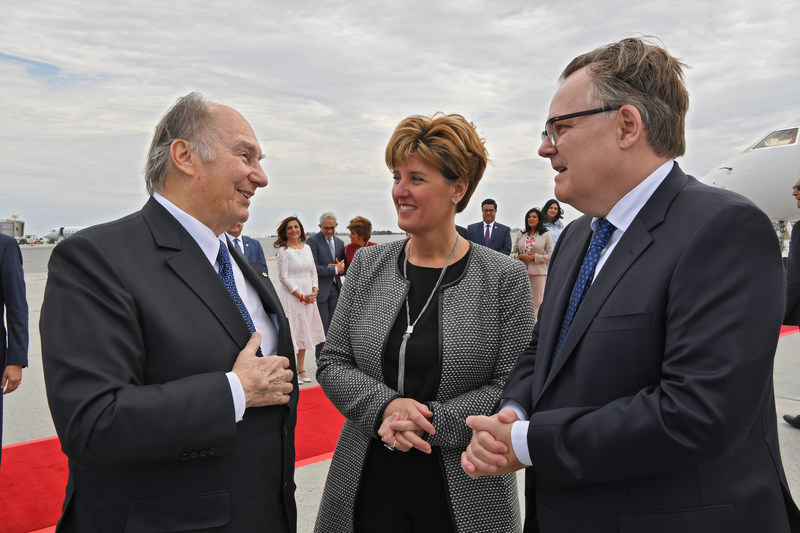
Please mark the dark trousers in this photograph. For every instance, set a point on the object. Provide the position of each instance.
(402, 492)
(326, 310)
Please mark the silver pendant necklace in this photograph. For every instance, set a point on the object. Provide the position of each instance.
(401, 365)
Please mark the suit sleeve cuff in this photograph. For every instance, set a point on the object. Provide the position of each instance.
(237, 392)
(514, 406)
(519, 441)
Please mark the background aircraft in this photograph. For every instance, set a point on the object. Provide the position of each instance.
(765, 173)
(57, 234)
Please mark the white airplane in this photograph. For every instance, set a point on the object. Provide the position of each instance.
(61, 233)
(765, 173)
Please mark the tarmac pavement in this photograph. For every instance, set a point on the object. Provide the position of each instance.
(26, 415)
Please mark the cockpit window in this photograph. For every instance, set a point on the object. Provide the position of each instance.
(778, 138)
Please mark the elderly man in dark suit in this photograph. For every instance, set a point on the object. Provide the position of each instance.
(328, 252)
(250, 247)
(168, 364)
(14, 331)
(644, 401)
(488, 232)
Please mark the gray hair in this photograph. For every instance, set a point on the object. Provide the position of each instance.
(326, 216)
(190, 119)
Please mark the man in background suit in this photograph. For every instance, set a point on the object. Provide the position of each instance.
(328, 251)
(14, 331)
(792, 315)
(153, 329)
(645, 401)
(490, 233)
(250, 247)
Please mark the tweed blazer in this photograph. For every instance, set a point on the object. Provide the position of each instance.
(487, 320)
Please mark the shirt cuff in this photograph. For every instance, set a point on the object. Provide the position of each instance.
(237, 392)
(519, 441)
(519, 432)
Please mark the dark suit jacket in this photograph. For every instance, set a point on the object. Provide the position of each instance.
(499, 241)
(322, 257)
(14, 350)
(253, 251)
(793, 279)
(137, 335)
(659, 413)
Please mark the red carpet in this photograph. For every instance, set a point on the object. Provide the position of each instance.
(788, 330)
(33, 475)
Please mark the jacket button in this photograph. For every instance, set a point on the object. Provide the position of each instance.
(193, 455)
(212, 450)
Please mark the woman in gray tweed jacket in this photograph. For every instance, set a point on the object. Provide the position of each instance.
(425, 334)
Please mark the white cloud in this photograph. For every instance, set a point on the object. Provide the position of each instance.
(324, 83)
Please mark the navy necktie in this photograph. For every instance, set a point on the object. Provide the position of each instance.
(236, 244)
(602, 232)
(226, 275)
(487, 236)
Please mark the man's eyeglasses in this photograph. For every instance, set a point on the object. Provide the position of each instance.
(550, 131)
(329, 228)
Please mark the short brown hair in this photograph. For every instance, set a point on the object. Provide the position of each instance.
(362, 226)
(643, 74)
(448, 142)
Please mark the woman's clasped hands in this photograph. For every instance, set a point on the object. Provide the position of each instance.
(405, 421)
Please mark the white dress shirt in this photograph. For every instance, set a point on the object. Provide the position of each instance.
(209, 244)
(621, 216)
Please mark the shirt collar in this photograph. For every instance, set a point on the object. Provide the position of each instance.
(626, 209)
(202, 234)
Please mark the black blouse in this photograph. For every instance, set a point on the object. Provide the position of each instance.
(424, 349)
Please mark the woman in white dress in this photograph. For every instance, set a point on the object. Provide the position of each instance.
(298, 290)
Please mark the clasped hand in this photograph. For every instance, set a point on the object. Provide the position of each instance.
(404, 422)
(490, 452)
(266, 380)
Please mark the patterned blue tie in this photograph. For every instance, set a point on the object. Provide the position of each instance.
(603, 230)
(226, 275)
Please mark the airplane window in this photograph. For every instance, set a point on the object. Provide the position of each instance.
(778, 138)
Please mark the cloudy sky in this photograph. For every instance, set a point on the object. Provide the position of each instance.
(82, 83)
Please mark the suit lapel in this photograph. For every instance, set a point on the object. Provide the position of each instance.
(561, 279)
(633, 243)
(192, 267)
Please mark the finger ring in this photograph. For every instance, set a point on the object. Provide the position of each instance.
(392, 447)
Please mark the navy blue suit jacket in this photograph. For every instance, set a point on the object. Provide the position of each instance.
(499, 241)
(322, 257)
(13, 304)
(253, 250)
(658, 414)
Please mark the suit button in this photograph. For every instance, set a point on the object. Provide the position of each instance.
(212, 450)
(203, 453)
(193, 455)
(184, 456)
